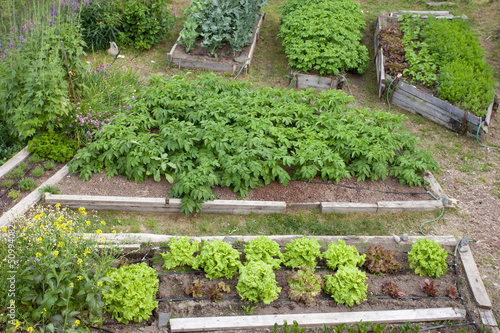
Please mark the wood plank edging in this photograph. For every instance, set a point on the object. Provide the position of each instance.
(312, 319)
(408, 206)
(475, 281)
(14, 161)
(24, 205)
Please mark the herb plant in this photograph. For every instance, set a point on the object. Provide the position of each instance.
(391, 289)
(27, 184)
(263, 249)
(7, 183)
(427, 258)
(218, 259)
(304, 286)
(132, 293)
(16, 173)
(53, 146)
(49, 165)
(302, 252)
(347, 286)
(429, 288)
(35, 159)
(339, 254)
(14, 194)
(37, 172)
(215, 292)
(452, 292)
(381, 261)
(257, 283)
(196, 289)
(324, 36)
(181, 252)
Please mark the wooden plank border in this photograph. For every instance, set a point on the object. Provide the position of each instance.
(13, 162)
(320, 83)
(381, 206)
(205, 324)
(475, 281)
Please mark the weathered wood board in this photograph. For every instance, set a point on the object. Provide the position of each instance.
(13, 162)
(320, 83)
(214, 64)
(204, 324)
(475, 281)
(348, 207)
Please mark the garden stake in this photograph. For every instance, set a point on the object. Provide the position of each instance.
(69, 72)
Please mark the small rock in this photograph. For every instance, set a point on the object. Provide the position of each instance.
(230, 240)
(397, 239)
(404, 237)
(163, 319)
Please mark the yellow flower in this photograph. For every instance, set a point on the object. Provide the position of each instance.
(103, 239)
(71, 285)
(113, 231)
(77, 322)
(43, 214)
(38, 254)
(16, 323)
(60, 218)
(79, 277)
(30, 329)
(88, 222)
(75, 240)
(58, 205)
(82, 211)
(4, 229)
(70, 229)
(42, 227)
(103, 222)
(60, 244)
(79, 262)
(55, 253)
(98, 231)
(39, 239)
(99, 284)
(37, 217)
(24, 229)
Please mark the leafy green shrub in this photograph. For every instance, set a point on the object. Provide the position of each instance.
(427, 258)
(218, 259)
(100, 21)
(263, 249)
(27, 184)
(16, 173)
(144, 23)
(257, 282)
(181, 252)
(304, 286)
(7, 183)
(302, 252)
(347, 286)
(132, 293)
(53, 146)
(50, 189)
(324, 36)
(14, 194)
(339, 254)
(49, 165)
(38, 172)
(380, 261)
(33, 159)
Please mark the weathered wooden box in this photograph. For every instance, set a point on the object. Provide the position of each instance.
(302, 81)
(179, 58)
(415, 100)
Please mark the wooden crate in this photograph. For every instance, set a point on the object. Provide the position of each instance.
(415, 100)
(195, 62)
(302, 81)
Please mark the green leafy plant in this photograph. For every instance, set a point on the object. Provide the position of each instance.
(132, 293)
(324, 36)
(339, 254)
(27, 184)
(215, 292)
(391, 289)
(38, 172)
(181, 252)
(196, 289)
(35, 159)
(53, 146)
(409, 328)
(304, 286)
(347, 286)
(381, 328)
(427, 258)
(381, 261)
(263, 249)
(49, 165)
(429, 288)
(7, 183)
(189, 33)
(50, 189)
(14, 194)
(289, 329)
(249, 309)
(218, 259)
(302, 252)
(257, 283)
(100, 22)
(18, 172)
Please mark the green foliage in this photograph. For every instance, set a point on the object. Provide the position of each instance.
(144, 23)
(302, 252)
(27, 184)
(206, 132)
(37, 172)
(214, 292)
(427, 258)
(13, 194)
(324, 36)
(7, 183)
(218, 259)
(18, 172)
(49, 165)
(53, 146)
(339, 254)
(132, 293)
(257, 282)
(100, 22)
(189, 34)
(59, 275)
(33, 159)
(288, 329)
(50, 189)
(263, 249)
(381, 261)
(181, 252)
(304, 286)
(249, 309)
(347, 286)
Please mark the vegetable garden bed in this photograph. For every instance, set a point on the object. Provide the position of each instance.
(418, 100)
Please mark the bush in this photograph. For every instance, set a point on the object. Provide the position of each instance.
(100, 22)
(49, 165)
(427, 258)
(324, 36)
(27, 184)
(347, 286)
(53, 146)
(16, 173)
(7, 183)
(38, 172)
(218, 259)
(132, 293)
(257, 282)
(33, 159)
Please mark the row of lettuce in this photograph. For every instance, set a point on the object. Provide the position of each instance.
(56, 276)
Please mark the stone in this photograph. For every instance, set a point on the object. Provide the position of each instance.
(397, 239)
(163, 319)
(230, 240)
(404, 237)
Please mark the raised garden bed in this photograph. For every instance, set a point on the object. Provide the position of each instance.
(418, 100)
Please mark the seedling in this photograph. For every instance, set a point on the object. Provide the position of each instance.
(13, 194)
(452, 292)
(249, 309)
(391, 289)
(196, 289)
(429, 288)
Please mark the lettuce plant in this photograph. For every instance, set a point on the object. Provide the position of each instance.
(302, 252)
(380, 260)
(265, 250)
(347, 286)
(257, 282)
(304, 286)
(339, 254)
(218, 259)
(427, 258)
(132, 294)
(181, 252)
